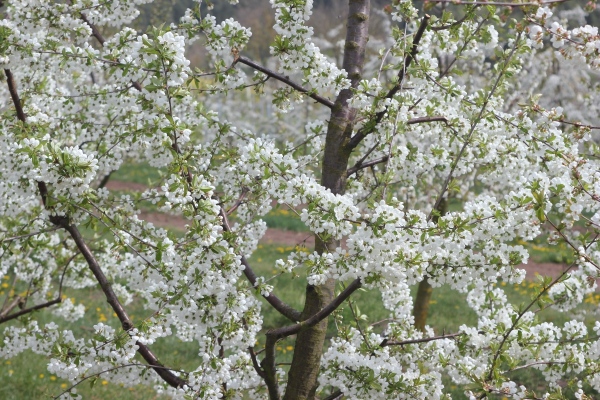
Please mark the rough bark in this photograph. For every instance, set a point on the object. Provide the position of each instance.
(302, 379)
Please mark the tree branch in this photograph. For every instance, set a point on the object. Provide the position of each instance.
(274, 335)
(326, 102)
(386, 343)
(286, 331)
(361, 134)
(115, 304)
(278, 304)
(269, 367)
(335, 395)
(362, 165)
(5, 318)
(111, 297)
(14, 95)
(9, 239)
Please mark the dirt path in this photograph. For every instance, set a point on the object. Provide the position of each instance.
(292, 238)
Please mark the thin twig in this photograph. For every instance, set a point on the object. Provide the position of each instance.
(29, 234)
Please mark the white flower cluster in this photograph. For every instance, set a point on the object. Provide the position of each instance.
(296, 52)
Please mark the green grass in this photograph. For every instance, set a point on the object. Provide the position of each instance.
(283, 218)
(138, 173)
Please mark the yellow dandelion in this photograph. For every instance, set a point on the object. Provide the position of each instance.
(41, 376)
(5, 285)
(289, 348)
(52, 378)
(105, 382)
(63, 385)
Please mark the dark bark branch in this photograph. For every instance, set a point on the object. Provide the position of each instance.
(274, 335)
(278, 304)
(335, 395)
(22, 301)
(5, 318)
(9, 239)
(269, 367)
(286, 80)
(115, 304)
(386, 343)
(104, 181)
(421, 120)
(360, 135)
(255, 364)
(238, 202)
(14, 95)
(286, 331)
(444, 27)
(361, 164)
(105, 371)
(95, 32)
(358, 166)
(111, 297)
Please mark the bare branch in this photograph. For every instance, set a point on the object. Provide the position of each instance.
(9, 239)
(319, 316)
(255, 364)
(284, 79)
(269, 367)
(14, 95)
(358, 166)
(386, 343)
(335, 395)
(95, 32)
(5, 318)
(421, 120)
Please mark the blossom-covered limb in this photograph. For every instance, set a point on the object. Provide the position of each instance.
(283, 308)
(362, 165)
(117, 307)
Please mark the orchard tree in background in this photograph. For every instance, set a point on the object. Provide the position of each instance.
(439, 106)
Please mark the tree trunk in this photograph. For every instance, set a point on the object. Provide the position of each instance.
(304, 371)
(423, 299)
